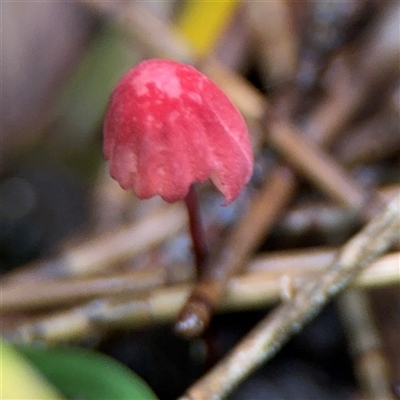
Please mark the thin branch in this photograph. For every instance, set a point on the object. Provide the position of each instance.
(260, 285)
(99, 253)
(323, 218)
(263, 342)
(371, 366)
(319, 167)
(269, 279)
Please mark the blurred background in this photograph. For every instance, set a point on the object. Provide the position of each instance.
(325, 66)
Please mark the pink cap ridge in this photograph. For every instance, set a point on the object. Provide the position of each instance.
(168, 126)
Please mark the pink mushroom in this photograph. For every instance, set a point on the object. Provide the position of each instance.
(167, 127)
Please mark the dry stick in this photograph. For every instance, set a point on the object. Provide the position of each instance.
(371, 366)
(53, 293)
(325, 175)
(269, 278)
(70, 325)
(18, 296)
(273, 266)
(253, 290)
(320, 169)
(361, 145)
(315, 164)
(98, 253)
(323, 217)
(263, 342)
(117, 247)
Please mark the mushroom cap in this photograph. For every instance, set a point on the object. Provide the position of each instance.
(168, 126)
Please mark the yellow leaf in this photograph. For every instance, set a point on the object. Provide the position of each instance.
(19, 380)
(202, 22)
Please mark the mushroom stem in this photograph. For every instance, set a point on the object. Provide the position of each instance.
(200, 248)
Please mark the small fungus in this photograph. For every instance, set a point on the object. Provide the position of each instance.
(167, 127)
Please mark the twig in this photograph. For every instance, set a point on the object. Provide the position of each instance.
(18, 296)
(266, 282)
(362, 145)
(315, 164)
(263, 342)
(292, 265)
(323, 218)
(370, 364)
(324, 172)
(101, 252)
(56, 292)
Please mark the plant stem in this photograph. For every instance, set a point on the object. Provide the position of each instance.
(200, 248)
(195, 315)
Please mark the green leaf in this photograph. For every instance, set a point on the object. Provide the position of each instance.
(86, 375)
(19, 380)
